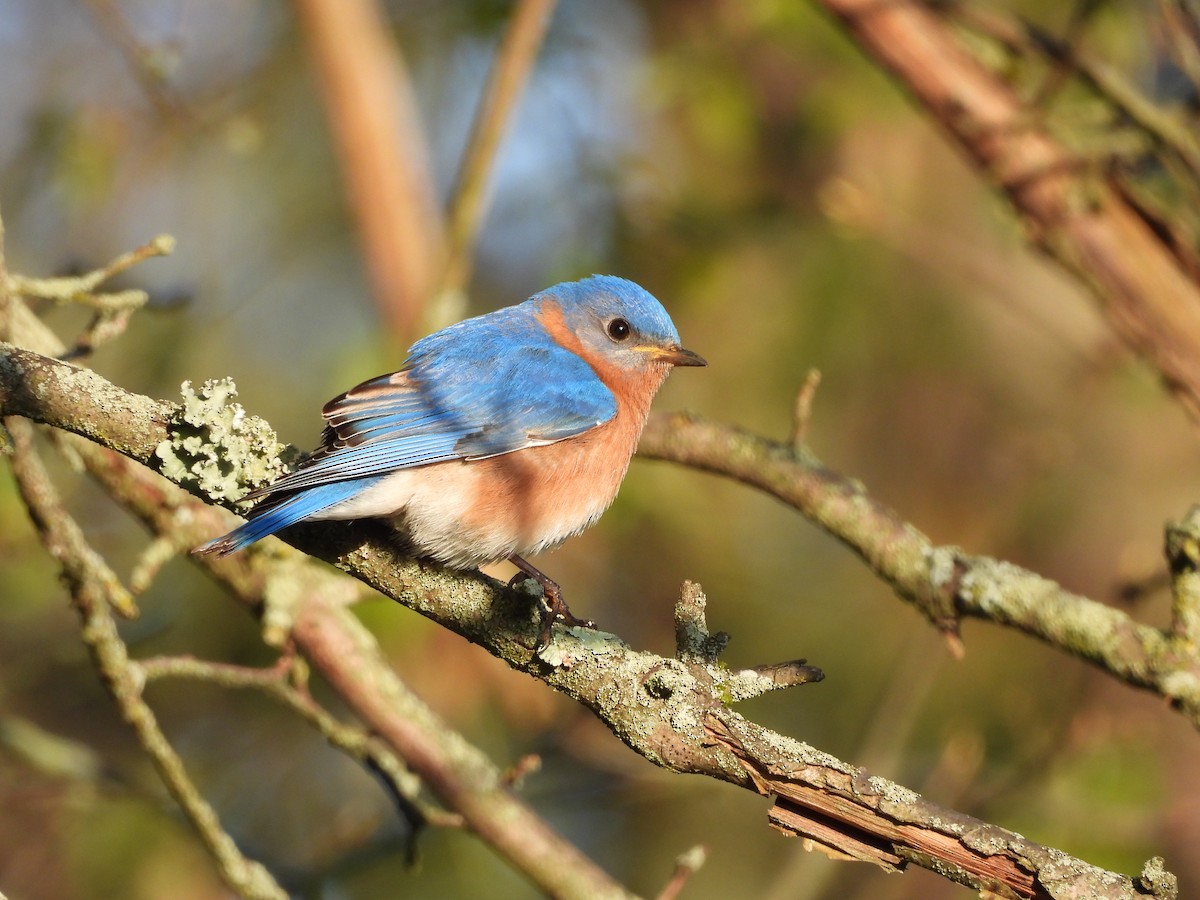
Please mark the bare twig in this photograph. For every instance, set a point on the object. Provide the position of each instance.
(687, 864)
(90, 583)
(112, 310)
(381, 145)
(1143, 282)
(803, 411)
(515, 775)
(144, 61)
(514, 63)
(81, 288)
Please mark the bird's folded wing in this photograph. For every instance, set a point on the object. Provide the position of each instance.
(465, 400)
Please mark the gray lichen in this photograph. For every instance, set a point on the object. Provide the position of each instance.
(215, 446)
(942, 564)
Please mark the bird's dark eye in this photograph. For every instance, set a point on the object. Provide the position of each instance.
(619, 329)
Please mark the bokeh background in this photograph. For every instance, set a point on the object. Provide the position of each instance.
(743, 162)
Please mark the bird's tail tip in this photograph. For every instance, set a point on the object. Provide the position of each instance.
(219, 547)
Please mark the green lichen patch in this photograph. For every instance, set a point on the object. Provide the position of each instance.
(218, 448)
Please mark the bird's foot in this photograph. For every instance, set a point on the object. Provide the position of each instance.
(554, 608)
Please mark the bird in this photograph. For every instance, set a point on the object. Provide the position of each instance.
(498, 438)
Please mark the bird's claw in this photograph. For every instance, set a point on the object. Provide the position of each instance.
(554, 609)
(563, 615)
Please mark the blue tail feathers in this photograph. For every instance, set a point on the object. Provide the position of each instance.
(277, 515)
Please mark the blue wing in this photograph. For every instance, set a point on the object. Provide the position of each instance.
(483, 387)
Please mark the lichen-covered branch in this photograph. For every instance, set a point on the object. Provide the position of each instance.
(1183, 555)
(111, 310)
(91, 584)
(850, 813)
(337, 645)
(302, 605)
(663, 708)
(943, 582)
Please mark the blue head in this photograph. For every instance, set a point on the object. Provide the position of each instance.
(621, 322)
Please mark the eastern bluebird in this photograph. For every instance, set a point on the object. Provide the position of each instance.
(500, 437)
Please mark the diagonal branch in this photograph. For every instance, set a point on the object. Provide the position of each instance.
(328, 634)
(349, 659)
(944, 583)
(375, 126)
(664, 709)
(1072, 212)
(514, 63)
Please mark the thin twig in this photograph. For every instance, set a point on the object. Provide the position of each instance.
(81, 288)
(687, 864)
(285, 682)
(803, 410)
(90, 584)
(514, 63)
(112, 310)
(145, 62)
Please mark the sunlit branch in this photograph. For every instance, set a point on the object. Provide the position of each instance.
(945, 583)
(670, 711)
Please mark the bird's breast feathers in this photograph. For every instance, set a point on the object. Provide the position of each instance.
(466, 513)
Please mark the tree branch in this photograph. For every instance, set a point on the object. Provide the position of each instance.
(1073, 213)
(853, 814)
(374, 122)
(514, 63)
(943, 582)
(670, 711)
(342, 650)
(93, 589)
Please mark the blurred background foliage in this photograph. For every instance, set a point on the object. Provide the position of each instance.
(748, 166)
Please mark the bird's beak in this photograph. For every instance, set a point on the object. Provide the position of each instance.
(677, 356)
